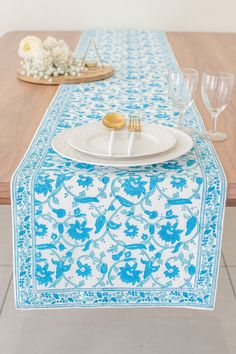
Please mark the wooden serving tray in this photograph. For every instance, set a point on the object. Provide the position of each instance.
(94, 74)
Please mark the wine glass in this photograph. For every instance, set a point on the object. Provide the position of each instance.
(216, 91)
(182, 87)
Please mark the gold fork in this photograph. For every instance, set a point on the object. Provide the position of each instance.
(133, 126)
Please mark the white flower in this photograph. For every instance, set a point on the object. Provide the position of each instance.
(30, 46)
(61, 43)
(53, 58)
(50, 42)
(61, 56)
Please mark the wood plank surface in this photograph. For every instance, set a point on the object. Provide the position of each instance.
(22, 105)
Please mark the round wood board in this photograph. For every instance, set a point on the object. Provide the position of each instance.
(88, 76)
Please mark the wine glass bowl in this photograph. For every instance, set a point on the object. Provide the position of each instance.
(182, 87)
(216, 89)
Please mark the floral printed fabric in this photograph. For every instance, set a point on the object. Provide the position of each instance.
(92, 236)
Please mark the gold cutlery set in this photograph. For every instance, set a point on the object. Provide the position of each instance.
(116, 121)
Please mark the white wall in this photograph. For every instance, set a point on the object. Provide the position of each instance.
(175, 15)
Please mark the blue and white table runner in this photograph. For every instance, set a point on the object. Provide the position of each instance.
(92, 236)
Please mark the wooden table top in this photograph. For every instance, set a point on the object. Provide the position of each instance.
(23, 105)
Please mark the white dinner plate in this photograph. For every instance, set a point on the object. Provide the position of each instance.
(93, 139)
(184, 143)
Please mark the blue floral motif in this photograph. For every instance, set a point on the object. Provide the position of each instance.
(134, 186)
(79, 231)
(84, 270)
(40, 229)
(61, 267)
(59, 212)
(144, 237)
(199, 180)
(172, 271)
(149, 268)
(129, 274)
(43, 275)
(104, 268)
(170, 233)
(43, 185)
(191, 269)
(178, 182)
(131, 230)
(156, 179)
(172, 165)
(84, 181)
(105, 179)
(85, 166)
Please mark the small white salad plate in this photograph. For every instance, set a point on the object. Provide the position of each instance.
(93, 139)
(184, 143)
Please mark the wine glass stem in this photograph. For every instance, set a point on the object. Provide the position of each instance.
(214, 122)
(181, 116)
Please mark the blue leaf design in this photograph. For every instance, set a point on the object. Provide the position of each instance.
(168, 266)
(37, 202)
(191, 270)
(136, 246)
(46, 246)
(152, 229)
(61, 228)
(190, 162)
(61, 268)
(59, 212)
(153, 182)
(179, 201)
(77, 212)
(103, 268)
(100, 221)
(191, 223)
(117, 256)
(124, 202)
(60, 179)
(152, 214)
(87, 245)
(177, 247)
(111, 207)
(62, 247)
(68, 254)
(199, 180)
(114, 226)
(105, 179)
(170, 215)
(87, 200)
(149, 268)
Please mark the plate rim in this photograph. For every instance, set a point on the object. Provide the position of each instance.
(126, 164)
(172, 136)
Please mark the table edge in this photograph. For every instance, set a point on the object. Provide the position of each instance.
(5, 194)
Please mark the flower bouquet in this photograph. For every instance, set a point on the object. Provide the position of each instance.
(52, 62)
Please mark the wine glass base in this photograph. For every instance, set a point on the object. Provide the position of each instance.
(187, 130)
(218, 136)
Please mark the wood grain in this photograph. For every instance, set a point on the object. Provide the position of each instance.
(22, 105)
